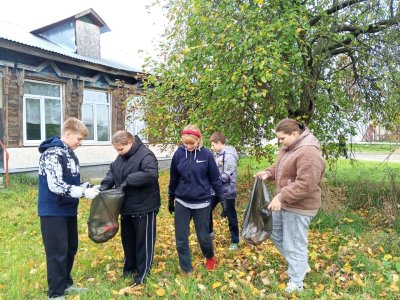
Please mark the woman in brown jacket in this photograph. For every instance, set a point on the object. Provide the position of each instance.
(298, 172)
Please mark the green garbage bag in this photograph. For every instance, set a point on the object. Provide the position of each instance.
(103, 218)
(257, 221)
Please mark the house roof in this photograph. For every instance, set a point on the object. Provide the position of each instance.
(89, 13)
(21, 35)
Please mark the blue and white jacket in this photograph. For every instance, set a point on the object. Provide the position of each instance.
(193, 174)
(58, 177)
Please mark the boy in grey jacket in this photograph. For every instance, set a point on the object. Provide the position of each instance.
(226, 158)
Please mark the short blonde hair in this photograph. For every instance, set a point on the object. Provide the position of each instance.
(76, 126)
(188, 138)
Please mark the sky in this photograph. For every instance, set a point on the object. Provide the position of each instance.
(135, 30)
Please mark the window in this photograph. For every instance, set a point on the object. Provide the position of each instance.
(96, 115)
(134, 122)
(42, 111)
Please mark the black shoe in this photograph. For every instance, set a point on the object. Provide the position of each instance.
(128, 274)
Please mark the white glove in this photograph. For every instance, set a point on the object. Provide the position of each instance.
(76, 191)
(91, 193)
(85, 185)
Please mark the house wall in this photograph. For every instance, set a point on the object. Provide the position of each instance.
(11, 110)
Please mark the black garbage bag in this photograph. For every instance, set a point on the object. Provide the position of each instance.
(103, 218)
(257, 223)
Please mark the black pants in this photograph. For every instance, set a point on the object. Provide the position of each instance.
(183, 216)
(60, 239)
(138, 235)
(230, 214)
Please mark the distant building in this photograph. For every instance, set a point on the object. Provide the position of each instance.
(55, 72)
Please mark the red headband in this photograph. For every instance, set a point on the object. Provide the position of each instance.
(192, 132)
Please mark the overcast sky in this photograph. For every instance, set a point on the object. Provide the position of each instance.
(134, 30)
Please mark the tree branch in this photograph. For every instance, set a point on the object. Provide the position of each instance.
(338, 47)
(335, 9)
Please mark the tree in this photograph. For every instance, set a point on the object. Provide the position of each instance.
(240, 66)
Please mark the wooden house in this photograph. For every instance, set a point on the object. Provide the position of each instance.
(50, 74)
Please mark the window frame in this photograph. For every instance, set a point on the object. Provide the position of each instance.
(42, 99)
(93, 104)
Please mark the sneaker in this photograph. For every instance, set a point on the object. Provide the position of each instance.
(233, 246)
(210, 263)
(57, 298)
(293, 287)
(212, 235)
(73, 289)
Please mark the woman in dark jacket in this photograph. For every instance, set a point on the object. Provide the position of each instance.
(135, 170)
(192, 175)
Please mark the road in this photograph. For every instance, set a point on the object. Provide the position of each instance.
(395, 157)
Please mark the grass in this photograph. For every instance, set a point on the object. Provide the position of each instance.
(378, 148)
(353, 254)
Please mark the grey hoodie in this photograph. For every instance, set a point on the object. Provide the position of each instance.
(227, 160)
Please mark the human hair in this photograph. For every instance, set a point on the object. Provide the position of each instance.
(192, 137)
(76, 126)
(288, 126)
(122, 137)
(218, 137)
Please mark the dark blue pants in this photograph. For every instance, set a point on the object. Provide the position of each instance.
(138, 235)
(231, 215)
(200, 217)
(60, 239)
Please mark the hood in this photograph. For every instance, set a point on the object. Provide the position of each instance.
(229, 150)
(305, 139)
(51, 142)
(138, 143)
(187, 153)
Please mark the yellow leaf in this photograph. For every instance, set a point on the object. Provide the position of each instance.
(394, 288)
(160, 292)
(241, 274)
(346, 268)
(387, 257)
(281, 286)
(216, 284)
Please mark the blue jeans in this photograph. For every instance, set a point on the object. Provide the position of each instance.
(201, 216)
(230, 214)
(289, 234)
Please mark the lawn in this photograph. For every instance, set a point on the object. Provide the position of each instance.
(354, 253)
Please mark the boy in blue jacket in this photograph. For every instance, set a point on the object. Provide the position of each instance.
(60, 188)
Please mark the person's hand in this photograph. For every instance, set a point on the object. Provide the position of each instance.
(91, 193)
(124, 185)
(225, 178)
(76, 191)
(171, 204)
(263, 175)
(223, 205)
(86, 185)
(275, 204)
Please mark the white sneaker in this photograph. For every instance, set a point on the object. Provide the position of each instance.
(293, 288)
(73, 289)
(212, 235)
(57, 298)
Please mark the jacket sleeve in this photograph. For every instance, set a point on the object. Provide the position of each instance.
(308, 176)
(53, 167)
(173, 176)
(214, 176)
(148, 173)
(108, 182)
(230, 166)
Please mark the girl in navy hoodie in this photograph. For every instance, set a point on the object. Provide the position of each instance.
(193, 173)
